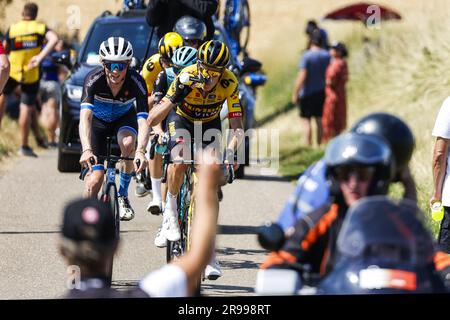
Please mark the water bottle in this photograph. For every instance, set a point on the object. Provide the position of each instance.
(188, 79)
(437, 211)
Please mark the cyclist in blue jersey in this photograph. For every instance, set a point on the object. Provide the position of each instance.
(108, 101)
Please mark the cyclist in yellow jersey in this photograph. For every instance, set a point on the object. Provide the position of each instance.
(193, 108)
(153, 66)
(24, 41)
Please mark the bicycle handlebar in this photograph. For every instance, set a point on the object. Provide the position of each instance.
(84, 171)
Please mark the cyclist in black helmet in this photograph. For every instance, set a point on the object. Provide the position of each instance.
(192, 30)
(401, 140)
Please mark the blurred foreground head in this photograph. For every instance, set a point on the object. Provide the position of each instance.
(88, 236)
(394, 130)
(358, 165)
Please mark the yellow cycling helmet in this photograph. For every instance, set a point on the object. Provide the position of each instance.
(168, 44)
(214, 54)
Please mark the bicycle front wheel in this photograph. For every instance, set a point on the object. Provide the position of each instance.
(110, 197)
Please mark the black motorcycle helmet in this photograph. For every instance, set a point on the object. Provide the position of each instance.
(383, 247)
(361, 150)
(394, 130)
(190, 28)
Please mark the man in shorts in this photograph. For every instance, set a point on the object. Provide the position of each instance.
(309, 88)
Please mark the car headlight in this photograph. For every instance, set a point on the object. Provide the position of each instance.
(74, 92)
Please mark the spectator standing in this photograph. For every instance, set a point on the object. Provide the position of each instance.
(24, 41)
(334, 118)
(50, 95)
(309, 87)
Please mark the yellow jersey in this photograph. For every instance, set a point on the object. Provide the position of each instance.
(152, 67)
(197, 107)
(25, 39)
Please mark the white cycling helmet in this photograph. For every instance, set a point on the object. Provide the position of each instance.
(116, 49)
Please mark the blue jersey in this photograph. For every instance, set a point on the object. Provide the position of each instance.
(311, 193)
(315, 62)
(98, 97)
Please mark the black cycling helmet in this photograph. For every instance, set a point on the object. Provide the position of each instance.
(383, 247)
(352, 149)
(214, 54)
(394, 130)
(190, 28)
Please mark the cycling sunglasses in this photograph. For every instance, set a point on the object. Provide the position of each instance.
(111, 66)
(361, 173)
(208, 72)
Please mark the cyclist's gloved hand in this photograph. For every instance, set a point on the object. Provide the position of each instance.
(85, 158)
(181, 92)
(139, 155)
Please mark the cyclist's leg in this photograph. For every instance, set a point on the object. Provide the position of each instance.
(156, 173)
(127, 130)
(94, 179)
(179, 131)
(212, 144)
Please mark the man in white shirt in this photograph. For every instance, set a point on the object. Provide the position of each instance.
(441, 172)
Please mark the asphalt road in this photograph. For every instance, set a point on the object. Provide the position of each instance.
(33, 194)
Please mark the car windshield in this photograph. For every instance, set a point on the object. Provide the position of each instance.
(137, 33)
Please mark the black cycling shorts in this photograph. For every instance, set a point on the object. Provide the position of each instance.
(178, 126)
(29, 91)
(102, 129)
(312, 105)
